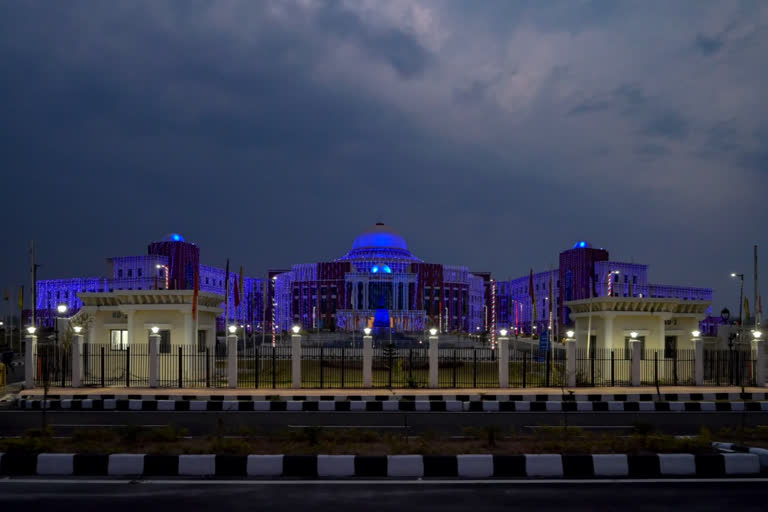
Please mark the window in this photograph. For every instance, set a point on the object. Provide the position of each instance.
(634, 279)
(120, 273)
(201, 341)
(118, 339)
(626, 278)
(130, 272)
(165, 341)
(138, 272)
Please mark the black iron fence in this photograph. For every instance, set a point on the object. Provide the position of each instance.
(331, 367)
(264, 366)
(467, 368)
(53, 365)
(537, 368)
(730, 367)
(603, 367)
(394, 367)
(668, 367)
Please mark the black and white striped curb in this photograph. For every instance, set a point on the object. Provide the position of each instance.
(505, 397)
(761, 453)
(112, 404)
(392, 466)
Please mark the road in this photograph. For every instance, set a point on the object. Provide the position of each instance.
(382, 496)
(14, 422)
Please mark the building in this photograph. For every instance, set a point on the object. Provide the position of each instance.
(380, 284)
(583, 272)
(170, 264)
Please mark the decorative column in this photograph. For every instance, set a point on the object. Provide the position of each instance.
(77, 360)
(433, 369)
(154, 361)
(698, 358)
(758, 345)
(607, 330)
(30, 366)
(570, 361)
(232, 360)
(367, 360)
(503, 355)
(296, 361)
(635, 346)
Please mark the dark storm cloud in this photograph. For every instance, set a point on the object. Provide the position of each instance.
(491, 134)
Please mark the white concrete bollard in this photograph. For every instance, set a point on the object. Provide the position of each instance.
(30, 366)
(154, 359)
(77, 360)
(296, 361)
(636, 347)
(503, 355)
(232, 361)
(367, 361)
(433, 368)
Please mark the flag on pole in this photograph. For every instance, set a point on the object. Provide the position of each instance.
(242, 292)
(550, 302)
(196, 294)
(746, 308)
(533, 300)
(7, 294)
(237, 298)
(21, 298)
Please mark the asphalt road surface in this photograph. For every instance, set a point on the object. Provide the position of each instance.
(14, 422)
(382, 496)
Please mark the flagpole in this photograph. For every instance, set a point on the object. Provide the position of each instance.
(755, 304)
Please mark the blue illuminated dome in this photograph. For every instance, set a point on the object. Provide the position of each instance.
(173, 237)
(582, 244)
(379, 236)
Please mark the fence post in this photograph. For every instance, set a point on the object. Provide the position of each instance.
(30, 349)
(181, 368)
(433, 369)
(547, 367)
(635, 347)
(613, 368)
(128, 367)
(525, 370)
(154, 359)
(758, 345)
(342, 367)
(367, 361)
(207, 367)
(674, 366)
(503, 362)
(256, 365)
(698, 360)
(570, 362)
(101, 353)
(77, 360)
(295, 361)
(321, 367)
(232, 361)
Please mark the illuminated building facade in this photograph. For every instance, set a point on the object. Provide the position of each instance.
(583, 272)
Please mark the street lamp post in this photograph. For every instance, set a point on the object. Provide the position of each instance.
(741, 295)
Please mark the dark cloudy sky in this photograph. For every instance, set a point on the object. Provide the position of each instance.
(492, 134)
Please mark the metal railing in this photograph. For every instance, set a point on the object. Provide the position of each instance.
(668, 367)
(537, 368)
(603, 367)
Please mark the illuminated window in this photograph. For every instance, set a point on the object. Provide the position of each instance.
(118, 339)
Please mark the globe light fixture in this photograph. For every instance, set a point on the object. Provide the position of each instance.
(155, 329)
(570, 334)
(756, 334)
(61, 308)
(367, 331)
(696, 334)
(633, 335)
(433, 332)
(31, 329)
(295, 329)
(503, 332)
(77, 329)
(232, 329)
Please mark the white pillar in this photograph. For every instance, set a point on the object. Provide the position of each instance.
(232, 361)
(367, 361)
(296, 361)
(759, 347)
(635, 346)
(77, 360)
(607, 330)
(30, 365)
(433, 372)
(503, 355)
(698, 357)
(570, 362)
(154, 362)
(190, 336)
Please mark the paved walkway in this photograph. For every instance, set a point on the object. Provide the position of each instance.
(383, 391)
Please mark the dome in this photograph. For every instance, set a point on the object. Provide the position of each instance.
(582, 244)
(173, 237)
(379, 236)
